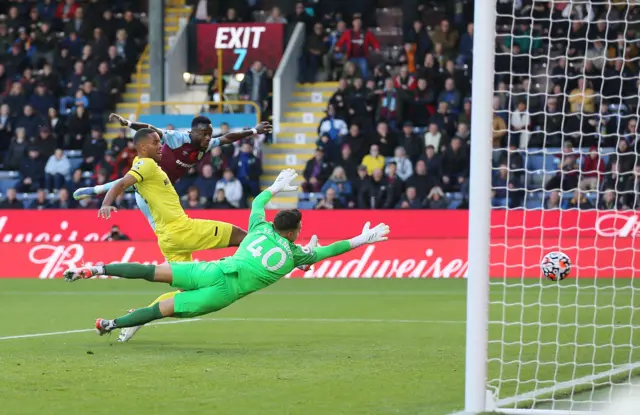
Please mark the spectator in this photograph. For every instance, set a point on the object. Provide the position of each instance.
(413, 145)
(347, 163)
(215, 94)
(316, 172)
(116, 235)
(358, 143)
(247, 168)
(338, 103)
(395, 186)
(359, 102)
(63, 201)
(374, 160)
(66, 10)
(386, 140)
(17, 150)
(582, 98)
(592, 168)
(124, 159)
(579, 201)
(205, 182)
(218, 162)
(56, 171)
(433, 138)
(520, 124)
(404, 81)
(499, 130)
(446, 36)
(419, 36)
(358, 42)
(464, 134)
(276, 16)
(421, 180)
(317, 45)
(41, 201)
(78, 128)
(11, 201)
(553, 201)
(339, 182)
(423, 104)
(330, 200)
(335, 57)
(220, 201)
(466, 46)
(93, 150)
(193, 200)
(77, 181)
(502, 186)
(455, 166)
(126, 49)
(433, 161)
(45, 142)
(107, 166)
(232, 188)
(403, 166)
(451, 96)
(329, 147)
(254, 87)
(389, 105)
(6, 128)
(607, 201)
(410, 200)
(41, 100)
(566, 177)
(31, 172)
(331, 125)
(29, 121)
(300, 15)
(444, 119)
(465, 115)
(374, 192)
(436, 199)
(16, 99)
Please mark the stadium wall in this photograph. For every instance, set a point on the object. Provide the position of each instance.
(423, 244)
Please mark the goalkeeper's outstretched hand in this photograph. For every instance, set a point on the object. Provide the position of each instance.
(377, 234)
(283, 182)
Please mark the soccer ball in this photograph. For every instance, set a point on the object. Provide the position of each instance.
(556, 266)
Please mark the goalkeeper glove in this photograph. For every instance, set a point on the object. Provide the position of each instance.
(283, 182)
(370, 235)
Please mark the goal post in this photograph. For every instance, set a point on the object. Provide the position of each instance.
(546, 75)
(479, 206)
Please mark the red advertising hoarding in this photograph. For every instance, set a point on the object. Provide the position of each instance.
(241, 45)
(431, 244)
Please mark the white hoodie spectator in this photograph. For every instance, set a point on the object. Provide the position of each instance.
(405, 168)
(231, 186)
(433, 137)
(58, 163)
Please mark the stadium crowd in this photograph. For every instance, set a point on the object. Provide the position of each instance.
(63, 67)
(397, 131)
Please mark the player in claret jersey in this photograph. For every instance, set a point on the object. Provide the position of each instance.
(267, 254)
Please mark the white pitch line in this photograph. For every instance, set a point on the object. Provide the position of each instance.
(252, 319)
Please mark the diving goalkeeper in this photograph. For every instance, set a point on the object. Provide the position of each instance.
(266, 254)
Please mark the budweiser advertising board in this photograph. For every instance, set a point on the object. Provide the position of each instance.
(241, 45)
(424, 244)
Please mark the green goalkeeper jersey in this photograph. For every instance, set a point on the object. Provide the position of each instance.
(264, 256)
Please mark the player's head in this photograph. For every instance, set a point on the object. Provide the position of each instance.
(147, 143)
(288, 224)
(201, 132)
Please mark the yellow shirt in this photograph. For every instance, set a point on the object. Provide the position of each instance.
(586, 100)
(372, 163)
(154, 186)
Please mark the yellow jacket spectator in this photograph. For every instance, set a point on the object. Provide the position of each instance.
(373, 160)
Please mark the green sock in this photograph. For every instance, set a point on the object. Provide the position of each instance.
(139, 317)
(131, 271)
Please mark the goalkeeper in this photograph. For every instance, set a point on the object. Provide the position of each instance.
(266, 254)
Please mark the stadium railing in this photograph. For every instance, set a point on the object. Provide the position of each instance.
(284, 81)
(174, 107)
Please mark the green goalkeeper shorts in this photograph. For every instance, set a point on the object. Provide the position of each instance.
(206, 288)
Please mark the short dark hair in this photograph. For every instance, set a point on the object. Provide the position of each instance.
(142, 134)
(287, 220)
(200, 119)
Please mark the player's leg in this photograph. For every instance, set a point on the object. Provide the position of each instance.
(87, 192)
(151, 273)
(137, 317)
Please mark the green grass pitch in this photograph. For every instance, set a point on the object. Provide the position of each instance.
(300, 347)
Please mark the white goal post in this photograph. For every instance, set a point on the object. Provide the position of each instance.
(562, 112)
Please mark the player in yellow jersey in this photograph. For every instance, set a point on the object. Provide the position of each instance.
(178, 234)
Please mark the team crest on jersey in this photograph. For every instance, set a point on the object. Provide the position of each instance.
(138, 163)
(166, 182)
(200, 155)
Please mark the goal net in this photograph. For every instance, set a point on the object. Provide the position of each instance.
(565, 177)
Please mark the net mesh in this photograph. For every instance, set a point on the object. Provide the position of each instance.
(565, 177)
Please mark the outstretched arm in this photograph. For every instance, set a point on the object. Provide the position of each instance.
(281, 184)
(229, 138)
(368, 236)
(119, 187)
(133, 125)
